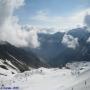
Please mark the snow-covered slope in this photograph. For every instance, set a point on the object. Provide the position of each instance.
(51, 79)
(19, 57)
(7, 68)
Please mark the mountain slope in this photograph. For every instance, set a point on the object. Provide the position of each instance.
(19, 57)
(50, 45)
(80, 53)
(55, 53)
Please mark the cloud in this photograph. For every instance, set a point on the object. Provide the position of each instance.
(87, 20)
(87, 23)
(31, 36)
(41, 15)
(70, 41)
(88, 40)
(7, 8)
(11, 30)
(63, 23)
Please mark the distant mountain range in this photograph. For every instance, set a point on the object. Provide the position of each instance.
(57, 54)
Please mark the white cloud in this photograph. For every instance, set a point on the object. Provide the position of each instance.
(87, 21)
(88, 40)
(41, 15)
(70, 41)
(11, 30)
(7, 8)
(61, 22)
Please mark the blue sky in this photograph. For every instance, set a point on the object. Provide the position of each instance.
(51, 8)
